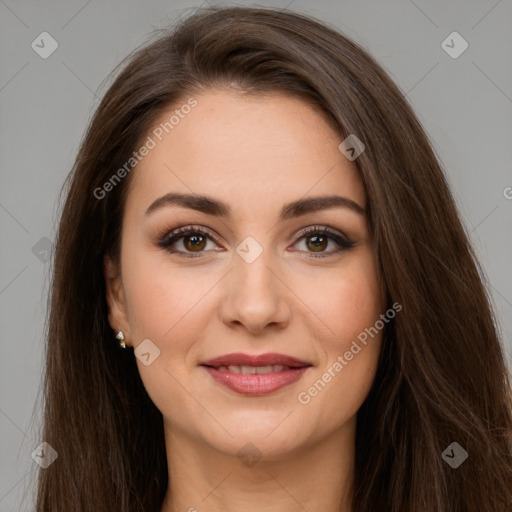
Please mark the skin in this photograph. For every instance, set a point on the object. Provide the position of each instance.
(256, 154)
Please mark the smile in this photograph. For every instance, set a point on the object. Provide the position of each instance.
(255, 375)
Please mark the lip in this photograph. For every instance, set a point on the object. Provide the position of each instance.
(240, 359)
(256, 384)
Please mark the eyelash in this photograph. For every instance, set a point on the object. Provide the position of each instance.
(177, 234)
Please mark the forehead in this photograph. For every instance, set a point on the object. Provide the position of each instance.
(248, 151)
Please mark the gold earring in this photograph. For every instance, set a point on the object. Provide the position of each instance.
(120, 337)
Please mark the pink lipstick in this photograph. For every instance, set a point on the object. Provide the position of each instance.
(255, 375)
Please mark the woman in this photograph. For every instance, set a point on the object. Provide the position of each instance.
(263, 296)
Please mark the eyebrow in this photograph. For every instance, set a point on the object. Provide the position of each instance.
(211, 206)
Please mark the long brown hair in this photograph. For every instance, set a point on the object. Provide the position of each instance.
(442, 374)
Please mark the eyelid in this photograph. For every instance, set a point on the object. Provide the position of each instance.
(167, 234)
(322, 229)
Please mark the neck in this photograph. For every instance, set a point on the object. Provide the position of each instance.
(316, 477)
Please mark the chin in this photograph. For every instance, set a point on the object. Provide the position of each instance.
(271, 440)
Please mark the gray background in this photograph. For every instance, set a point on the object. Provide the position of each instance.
(465, 105)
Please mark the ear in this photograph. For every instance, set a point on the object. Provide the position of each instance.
(117, 317)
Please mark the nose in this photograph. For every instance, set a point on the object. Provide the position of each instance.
(256, 295)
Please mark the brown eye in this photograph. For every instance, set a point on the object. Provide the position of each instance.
(317, 239)
(194, 242)
(317, 243)
(189, 241)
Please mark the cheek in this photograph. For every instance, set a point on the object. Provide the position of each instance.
(160, 298)
(164, 304)
(346, 300)
(350, 304)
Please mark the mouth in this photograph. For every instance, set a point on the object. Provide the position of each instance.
(255, 375)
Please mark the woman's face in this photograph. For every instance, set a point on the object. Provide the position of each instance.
(252, 284)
